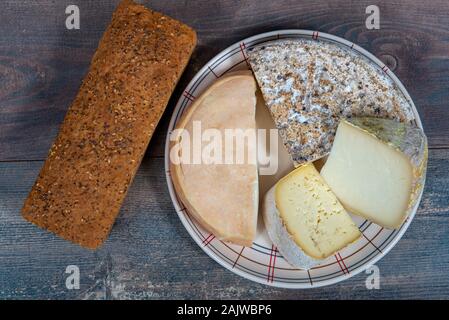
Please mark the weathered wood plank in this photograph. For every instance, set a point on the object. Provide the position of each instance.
(42, 63)
(150, 255)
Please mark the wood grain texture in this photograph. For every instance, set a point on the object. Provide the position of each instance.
(42, 63)
(150, 255)
(149, 251)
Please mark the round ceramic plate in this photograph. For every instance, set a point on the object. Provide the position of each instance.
(262, 262)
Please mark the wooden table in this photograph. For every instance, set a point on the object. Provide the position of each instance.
(149, 253)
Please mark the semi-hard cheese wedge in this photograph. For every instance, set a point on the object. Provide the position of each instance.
(223, 197)
(305, 220)
(377, 168)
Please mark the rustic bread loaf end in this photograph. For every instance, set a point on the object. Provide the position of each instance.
(84, 180)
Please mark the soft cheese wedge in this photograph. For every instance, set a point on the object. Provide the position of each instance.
(305, 220)
(377, 168)
(222, 197)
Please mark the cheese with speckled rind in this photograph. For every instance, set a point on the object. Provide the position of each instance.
(309, 85)
(223, 198)
(305, 220)
(377, 168)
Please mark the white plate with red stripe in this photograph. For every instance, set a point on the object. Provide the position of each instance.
(262, 262)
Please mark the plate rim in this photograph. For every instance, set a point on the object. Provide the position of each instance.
(178, 207)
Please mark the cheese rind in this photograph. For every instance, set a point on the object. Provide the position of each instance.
(309, 85)
(281, 238)
(377, 168)
(305, 220)
(222, 197)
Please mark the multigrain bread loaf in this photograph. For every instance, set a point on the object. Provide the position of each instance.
(102, 140)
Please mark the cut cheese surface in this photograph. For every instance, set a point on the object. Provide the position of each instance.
(310, 84)
(222, 197)
(376, 168)
(305, 220)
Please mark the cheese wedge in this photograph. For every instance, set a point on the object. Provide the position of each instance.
(223, 197)
(305, 220)
(310, 84)
(377, 168)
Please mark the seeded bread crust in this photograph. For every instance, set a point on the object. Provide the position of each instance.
(106, 131)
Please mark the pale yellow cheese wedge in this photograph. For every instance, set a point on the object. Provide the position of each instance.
(305, 220)
(377, 168)
(222, 197)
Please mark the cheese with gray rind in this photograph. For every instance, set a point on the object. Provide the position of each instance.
(280, 236)
(305, 220)
(377, 168)
(309, 85)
